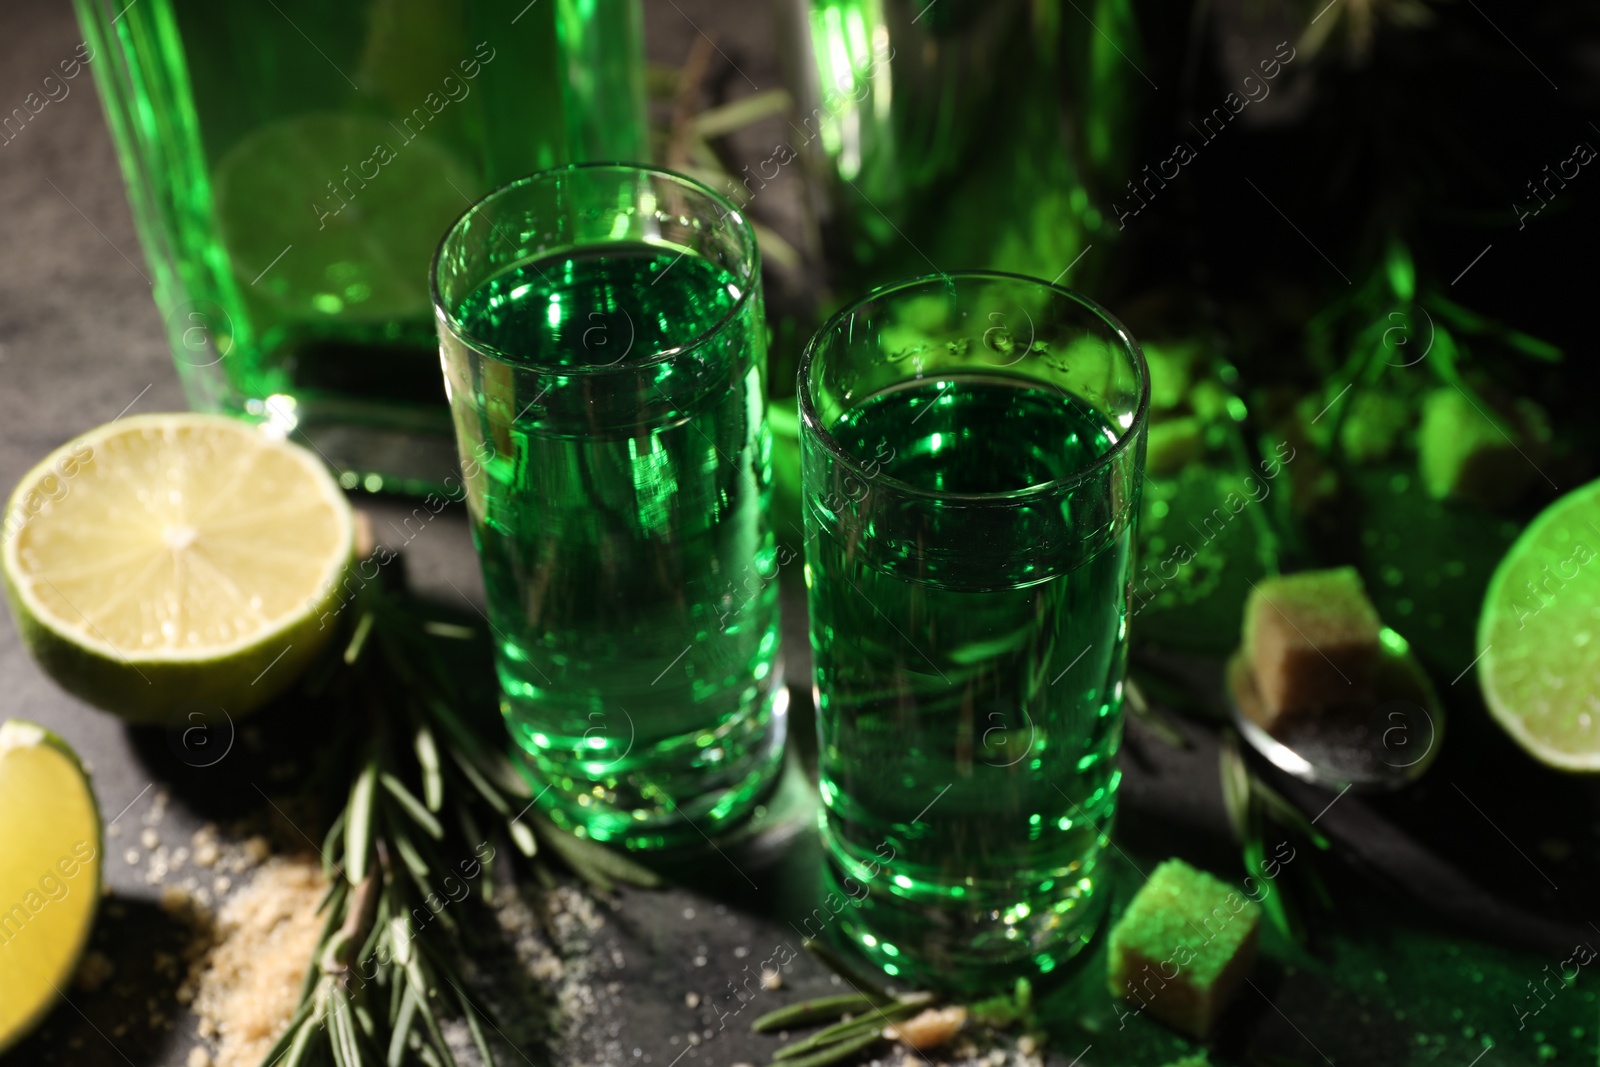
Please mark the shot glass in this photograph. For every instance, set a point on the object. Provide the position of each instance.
(972, 447)
(604, 352)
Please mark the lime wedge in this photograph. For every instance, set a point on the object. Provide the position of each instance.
(49, 872)
(1540, 634)
(339, 214)
(169, 562)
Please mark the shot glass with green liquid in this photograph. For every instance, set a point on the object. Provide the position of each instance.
(972, 447)
(604, 353)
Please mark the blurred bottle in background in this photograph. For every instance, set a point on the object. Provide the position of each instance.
(292, 165)
(961, 134)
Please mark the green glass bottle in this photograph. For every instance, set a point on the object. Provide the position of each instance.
(962, 134)
(293, 165)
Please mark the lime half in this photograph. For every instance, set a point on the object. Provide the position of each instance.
(1540, 635)
(164, 563)
(338, 214)
(49, 872)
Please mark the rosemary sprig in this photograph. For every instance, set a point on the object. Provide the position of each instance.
(836, 1053)
(817, 1010)
(858, 1020)
(423, 776)
(850, 1027)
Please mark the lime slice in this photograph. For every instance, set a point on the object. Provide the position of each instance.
(164, 563)
(339, 214)
(49, 872)
(1540, 632)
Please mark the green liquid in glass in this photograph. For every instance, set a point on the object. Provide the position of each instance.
(970, 671)
(617, 512)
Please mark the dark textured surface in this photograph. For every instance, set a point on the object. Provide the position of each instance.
(81, 342)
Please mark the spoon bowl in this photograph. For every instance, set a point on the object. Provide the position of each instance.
(1374, 747)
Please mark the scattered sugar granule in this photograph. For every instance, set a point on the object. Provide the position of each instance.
(174, 900)
(248, 984)
(93, 972)
(256, 850)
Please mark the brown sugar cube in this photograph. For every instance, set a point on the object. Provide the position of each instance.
(1312, 641)
(1183, 948)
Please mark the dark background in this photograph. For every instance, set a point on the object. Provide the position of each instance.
(1414, 964)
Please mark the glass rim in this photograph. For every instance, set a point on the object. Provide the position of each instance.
(747, 245)
(810, 419)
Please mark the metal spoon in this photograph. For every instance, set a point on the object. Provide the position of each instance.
(1374, 747)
